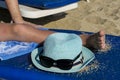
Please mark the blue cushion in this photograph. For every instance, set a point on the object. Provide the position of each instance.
(46, 4)
(105, 67)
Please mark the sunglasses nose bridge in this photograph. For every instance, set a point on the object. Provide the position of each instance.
(54, 64)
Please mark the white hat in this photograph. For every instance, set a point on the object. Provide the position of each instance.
(59, 46)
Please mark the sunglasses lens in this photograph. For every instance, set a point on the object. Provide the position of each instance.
(46, 62)
(65, 64)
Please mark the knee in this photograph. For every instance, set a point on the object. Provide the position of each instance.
(19, 28)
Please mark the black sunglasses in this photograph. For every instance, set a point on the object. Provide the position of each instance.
(64, 64)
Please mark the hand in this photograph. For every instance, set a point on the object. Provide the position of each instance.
(28, 23)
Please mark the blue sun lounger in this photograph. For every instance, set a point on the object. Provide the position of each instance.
(42, 8)
(20, 67)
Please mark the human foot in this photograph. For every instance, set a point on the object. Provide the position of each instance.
(95, 41)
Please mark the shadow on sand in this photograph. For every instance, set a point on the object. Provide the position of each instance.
(5, 17)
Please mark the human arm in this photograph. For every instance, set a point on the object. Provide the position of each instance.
(14, 9)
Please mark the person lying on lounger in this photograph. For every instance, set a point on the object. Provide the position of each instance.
(28, 33)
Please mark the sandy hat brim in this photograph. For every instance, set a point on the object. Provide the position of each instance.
(87, 54)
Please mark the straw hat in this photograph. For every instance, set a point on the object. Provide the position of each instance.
(62, 46)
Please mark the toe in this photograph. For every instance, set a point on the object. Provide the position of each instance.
(101, 33)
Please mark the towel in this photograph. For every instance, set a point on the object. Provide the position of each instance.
(11, 49)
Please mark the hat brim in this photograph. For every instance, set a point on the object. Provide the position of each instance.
(87, 54)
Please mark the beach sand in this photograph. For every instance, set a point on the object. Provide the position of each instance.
(92, 17)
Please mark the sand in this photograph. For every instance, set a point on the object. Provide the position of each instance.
(92, 17)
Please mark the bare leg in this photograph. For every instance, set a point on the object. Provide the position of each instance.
(96, 41)
(22, 32)
(27, 33)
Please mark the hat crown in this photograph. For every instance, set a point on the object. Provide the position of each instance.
(62, 46)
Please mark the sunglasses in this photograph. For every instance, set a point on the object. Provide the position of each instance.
(64, 64)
